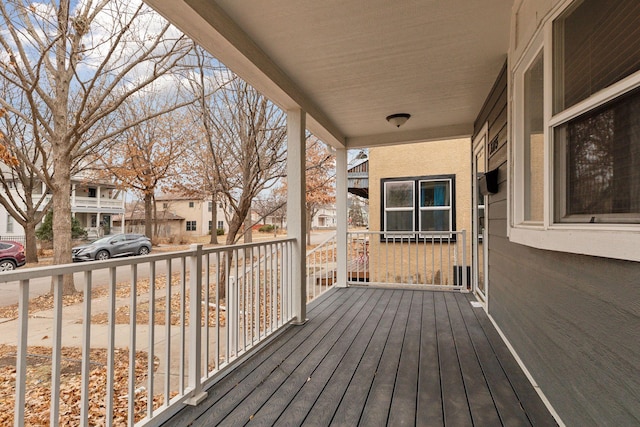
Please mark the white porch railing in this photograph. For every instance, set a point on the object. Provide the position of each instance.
(94, 202)
(171, 358)
(321, 268)
(425, 258)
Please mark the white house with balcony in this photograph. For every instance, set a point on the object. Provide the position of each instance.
(94, 203)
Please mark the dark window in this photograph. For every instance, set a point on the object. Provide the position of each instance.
(597, 43)
(597, 154)
(191, 204)
(418, 204)
(191, 225)
(92, 192)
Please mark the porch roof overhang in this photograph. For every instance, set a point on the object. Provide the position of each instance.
(350, 63)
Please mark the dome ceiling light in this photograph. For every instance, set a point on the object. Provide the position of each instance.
(398, 119)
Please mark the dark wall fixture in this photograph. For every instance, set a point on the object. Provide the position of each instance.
(488, 182)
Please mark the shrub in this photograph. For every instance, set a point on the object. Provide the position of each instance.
(45, 231)
(219, 231)
(267, 228)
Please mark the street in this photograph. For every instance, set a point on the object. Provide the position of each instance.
(9, 291)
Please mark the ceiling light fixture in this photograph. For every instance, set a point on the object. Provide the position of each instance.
(398, 119)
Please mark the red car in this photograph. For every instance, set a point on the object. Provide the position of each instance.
(11, 255)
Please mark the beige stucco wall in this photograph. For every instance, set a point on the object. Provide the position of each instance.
(423, 263)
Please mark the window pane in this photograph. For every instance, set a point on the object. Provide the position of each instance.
(597, 44)
(399, 221)
(434, 193)
(399, 194)
(533, 141)
(434, 220)
(598, 157)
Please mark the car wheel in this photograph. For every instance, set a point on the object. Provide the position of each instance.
(102, 255)
(7, 265)
(143, 250)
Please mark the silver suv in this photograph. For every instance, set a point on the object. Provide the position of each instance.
(113, 246)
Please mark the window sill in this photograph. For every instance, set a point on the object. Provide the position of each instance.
(608, 243)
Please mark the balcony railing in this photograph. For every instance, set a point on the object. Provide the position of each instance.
(94, 202)
(241, 295)
(425, 258)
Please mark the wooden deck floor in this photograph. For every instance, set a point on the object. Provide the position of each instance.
(375, 357)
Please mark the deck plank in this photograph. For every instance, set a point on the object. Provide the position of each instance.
(481, 404)
(303, 359)
(376, 409)
(314, 371)
(302, 336)
(502, 392)
(429, 411)
(454, 398)
(534, 409)
(353, 379)
(405, 392)
(318, 309)
(331, 370)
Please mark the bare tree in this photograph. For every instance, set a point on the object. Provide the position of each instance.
(75, 66)
(245, 136)
(146, 155)
(21, 179)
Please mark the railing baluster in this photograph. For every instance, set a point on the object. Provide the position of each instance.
(86, 349)
(195, 330)
(21, 357)
(152, 324)
(218, 313)
(167, 335)
(111, 347)
(207, 300)
(132, 344)
(183, 312)
(56, 351)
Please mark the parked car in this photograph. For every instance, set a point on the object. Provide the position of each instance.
(112, 246)
(11, 255)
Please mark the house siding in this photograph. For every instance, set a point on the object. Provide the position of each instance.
(574, 320)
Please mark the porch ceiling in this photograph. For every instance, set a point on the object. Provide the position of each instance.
(350, 63)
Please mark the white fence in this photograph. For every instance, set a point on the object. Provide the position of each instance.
(240, 295)
(425, 258)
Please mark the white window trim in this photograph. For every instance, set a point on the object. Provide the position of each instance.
(435, 208)
(411, 209)
(618, 241)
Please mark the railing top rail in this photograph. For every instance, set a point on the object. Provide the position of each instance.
(54, 270)
(319, 247)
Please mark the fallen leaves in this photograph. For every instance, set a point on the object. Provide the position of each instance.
(38, 386)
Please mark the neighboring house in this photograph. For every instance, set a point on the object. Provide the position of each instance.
(325, 218)
(419, 193)
(93, 203)
(196, 213)
(168, 223)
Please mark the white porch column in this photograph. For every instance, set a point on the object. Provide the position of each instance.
(342, 214)
(73, 195)
(296, 209)
(99, 195)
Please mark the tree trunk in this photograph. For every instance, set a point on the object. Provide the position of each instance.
(31, 245)
(248, 235)
(62, 219)
(214, 220)
(148, 230)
